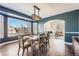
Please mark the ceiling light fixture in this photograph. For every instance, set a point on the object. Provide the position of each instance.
(36, 16)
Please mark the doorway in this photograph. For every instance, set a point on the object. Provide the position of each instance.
(57, 46)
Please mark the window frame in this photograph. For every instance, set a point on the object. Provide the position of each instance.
(6, 38)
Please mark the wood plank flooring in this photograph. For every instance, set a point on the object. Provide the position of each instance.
(57, 48)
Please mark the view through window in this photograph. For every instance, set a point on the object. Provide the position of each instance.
(34, 28)
(15, 24)
(1, 26)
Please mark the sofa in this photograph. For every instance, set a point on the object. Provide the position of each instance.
(75, 44)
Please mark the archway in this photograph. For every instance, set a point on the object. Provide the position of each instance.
(56, 26)
(57, 46)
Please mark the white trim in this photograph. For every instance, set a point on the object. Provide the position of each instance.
(68, 43)
(72, 32)
(8, 42)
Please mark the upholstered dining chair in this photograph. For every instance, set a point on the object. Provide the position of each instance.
(41, 44)
(23, 43)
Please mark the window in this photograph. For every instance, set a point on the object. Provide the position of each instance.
(41, 28)
(15, 24)
(34, 28)
(26, 27)
(12, 25)
(1, 26)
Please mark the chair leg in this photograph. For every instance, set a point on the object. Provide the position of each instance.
(18, 51)
(27, 51)
(23, 51)
(46, 46)
(39, 51)
(49, 45)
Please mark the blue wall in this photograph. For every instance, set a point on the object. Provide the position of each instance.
(71, 23)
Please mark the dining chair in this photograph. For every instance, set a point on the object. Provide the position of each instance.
(23, 43)
(41, 44)
(43, 40)
(47, 39)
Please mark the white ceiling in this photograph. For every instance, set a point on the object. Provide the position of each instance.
(46, 9)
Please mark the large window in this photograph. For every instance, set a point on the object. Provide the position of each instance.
(15, 24)
(26, 27)
(1, 26)
(34, 28)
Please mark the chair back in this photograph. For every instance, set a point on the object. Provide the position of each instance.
(48, 36)
(20, 40)
(42, 38)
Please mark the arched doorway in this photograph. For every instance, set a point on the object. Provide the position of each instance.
(56, 26)
(57, 46)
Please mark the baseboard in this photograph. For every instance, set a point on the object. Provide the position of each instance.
(8, 42)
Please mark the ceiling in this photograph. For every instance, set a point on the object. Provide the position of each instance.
(46, 9)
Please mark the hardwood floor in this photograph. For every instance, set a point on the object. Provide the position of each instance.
(57, 48)
(9, 49)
